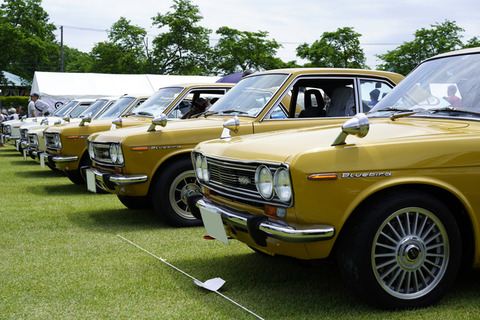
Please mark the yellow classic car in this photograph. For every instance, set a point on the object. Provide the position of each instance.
(66, 144)
(392, 195)
(151, 166)
(33, 142)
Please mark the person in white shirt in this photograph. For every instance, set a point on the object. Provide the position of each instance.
(31, 109)
(41, 108)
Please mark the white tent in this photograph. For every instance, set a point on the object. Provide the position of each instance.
(58, 87)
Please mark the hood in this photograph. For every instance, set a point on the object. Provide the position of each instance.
(187, 126)
(385, 139)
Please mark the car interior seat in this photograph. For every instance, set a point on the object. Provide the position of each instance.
(343, 103)
(314, 104)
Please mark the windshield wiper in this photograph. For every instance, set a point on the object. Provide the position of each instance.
(233, 110)
(449, 109)
(204, 113)
(455, 110)
(143, 113)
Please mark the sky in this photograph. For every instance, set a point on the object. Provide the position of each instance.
(383, 24)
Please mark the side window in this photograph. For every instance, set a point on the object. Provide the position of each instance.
(372, 92)
(205, 98)
(323, 97)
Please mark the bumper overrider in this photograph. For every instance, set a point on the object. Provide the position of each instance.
(32, 153)
(108, 181)
(260, 227)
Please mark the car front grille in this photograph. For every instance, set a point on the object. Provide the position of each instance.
(236, 180)
(24, 134)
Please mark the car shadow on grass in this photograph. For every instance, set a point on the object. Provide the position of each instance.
(279, 287)
(117, 220)
(63, 189)
(47, 173)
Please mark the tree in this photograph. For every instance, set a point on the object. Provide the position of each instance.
(440, 38)
(34, 47)
(237, 51)
(125, 52)
(185, 48)
(77, 61)
(339, 49)
(472, 43)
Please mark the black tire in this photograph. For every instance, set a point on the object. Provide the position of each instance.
(402, 251)
(170, 190)
(135, 203)
(78, 176)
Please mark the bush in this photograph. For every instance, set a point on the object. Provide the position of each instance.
(12, 101)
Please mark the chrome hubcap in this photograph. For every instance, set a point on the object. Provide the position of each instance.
(410, 253)
(185, 184)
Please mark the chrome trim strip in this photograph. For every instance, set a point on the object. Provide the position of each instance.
(273, 228)
(120, 180)
(64, 159)
(126, 180)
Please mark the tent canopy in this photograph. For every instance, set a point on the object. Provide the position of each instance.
(54, 87)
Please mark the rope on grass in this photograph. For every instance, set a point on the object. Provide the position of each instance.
(212, 284)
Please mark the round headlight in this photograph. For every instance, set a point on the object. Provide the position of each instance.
(114, 152)
(56, 141)
(91, 153)
(120, 154)
(198, 167)
(264, 182)
(283, 185)
(205, 173)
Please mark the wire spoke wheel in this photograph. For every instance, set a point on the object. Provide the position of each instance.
(410, 253)
(185, 184)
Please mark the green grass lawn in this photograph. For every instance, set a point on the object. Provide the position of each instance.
(61, 258)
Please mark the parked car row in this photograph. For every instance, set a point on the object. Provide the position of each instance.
(338, 164)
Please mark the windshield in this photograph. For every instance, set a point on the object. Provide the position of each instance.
(93, 109)
(158, 102)
(65, 109)
(117, 108)
(445, 87)
(249, 96)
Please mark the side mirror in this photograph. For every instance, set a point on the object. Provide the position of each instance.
(84, 120)
(44, 121)
(358, 126)
(230, 125)
(160, 121)
(117, 122)
(66, 118)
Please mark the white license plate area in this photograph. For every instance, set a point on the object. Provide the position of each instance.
(42, 160)
(91, 185)
(214, 225)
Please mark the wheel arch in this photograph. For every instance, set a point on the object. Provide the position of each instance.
(164, 164)
(454, 204)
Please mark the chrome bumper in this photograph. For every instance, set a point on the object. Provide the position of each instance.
(260, 226)
(107, 178)
(58, 159)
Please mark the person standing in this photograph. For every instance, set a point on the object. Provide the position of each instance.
(31, 108)
(41, 108)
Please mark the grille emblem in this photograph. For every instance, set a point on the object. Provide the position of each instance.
(244, 180)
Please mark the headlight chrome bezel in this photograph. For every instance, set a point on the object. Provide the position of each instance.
(116, 154)
(283, 184)
(264, 182)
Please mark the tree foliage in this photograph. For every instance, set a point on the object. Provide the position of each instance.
(237, 51)
(29, 38)
(184, 48)
(442, 37)
(125, 52)
(339, 49)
